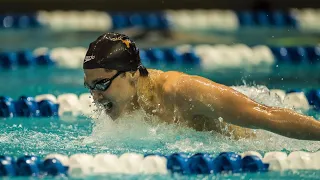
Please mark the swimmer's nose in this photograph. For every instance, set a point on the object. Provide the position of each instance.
(96, 95)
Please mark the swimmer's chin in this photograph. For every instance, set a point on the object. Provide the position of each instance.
(112, 115)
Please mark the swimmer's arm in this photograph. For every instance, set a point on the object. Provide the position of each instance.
(215, 100)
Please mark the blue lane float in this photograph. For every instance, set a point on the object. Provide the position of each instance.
(181, 163)
(26, 106)
(24, 58)
(201, 163)
(313, 97)
(29, 165)
(164, 57)
(81, 165)
(275, 19)
(19, 21)
(153, 20)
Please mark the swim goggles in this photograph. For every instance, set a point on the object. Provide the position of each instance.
(103, 84)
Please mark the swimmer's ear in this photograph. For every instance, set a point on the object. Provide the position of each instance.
(132, 73)
(133, 77)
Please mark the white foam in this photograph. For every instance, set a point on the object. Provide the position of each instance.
(278, 92)
(297, 100)
(261, 94)
(150, 133)
(86, 104)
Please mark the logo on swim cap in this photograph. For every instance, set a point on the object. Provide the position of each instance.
(89, 58)
(126, 42)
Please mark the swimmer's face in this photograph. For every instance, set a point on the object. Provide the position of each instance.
(118, 97)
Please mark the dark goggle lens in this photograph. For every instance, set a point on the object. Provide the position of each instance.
(102, 86)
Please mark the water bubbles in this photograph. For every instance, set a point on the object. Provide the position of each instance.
(153, 131)
(261, 94)
(220, 119)
(190, 99)
(210, 106)
(201, 97)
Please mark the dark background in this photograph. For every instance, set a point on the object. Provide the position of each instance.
(151, 5)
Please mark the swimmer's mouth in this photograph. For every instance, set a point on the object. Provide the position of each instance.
(108, 105)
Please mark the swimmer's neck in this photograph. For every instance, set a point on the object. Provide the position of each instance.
(148, 91)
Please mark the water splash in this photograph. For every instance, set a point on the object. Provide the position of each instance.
(137, 132)
(262, 95)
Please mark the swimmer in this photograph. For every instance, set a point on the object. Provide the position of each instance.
(121, 84)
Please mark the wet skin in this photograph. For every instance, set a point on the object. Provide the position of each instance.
(197, 102)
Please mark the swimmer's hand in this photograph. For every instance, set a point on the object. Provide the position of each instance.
(236, 108)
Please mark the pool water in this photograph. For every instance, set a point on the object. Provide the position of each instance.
(42, 80)
(69, 135)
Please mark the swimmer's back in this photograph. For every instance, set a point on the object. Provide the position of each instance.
(170, 81)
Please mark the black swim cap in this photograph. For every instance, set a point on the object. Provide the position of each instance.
(114, 51)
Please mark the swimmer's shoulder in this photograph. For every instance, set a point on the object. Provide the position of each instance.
(178, 82)
(169, 79)
(173, 81)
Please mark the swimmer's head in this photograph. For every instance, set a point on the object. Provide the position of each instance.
(111, 66)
